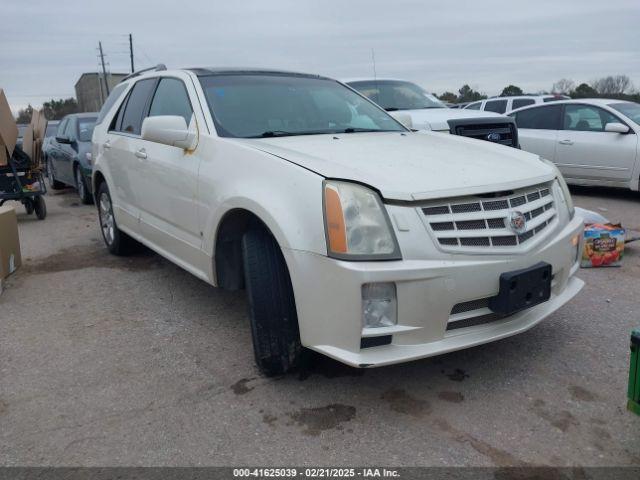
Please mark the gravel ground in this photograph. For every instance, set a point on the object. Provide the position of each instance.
(110, 361)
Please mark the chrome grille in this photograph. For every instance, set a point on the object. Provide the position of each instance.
(475, 224)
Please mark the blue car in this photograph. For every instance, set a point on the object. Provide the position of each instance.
(68, 155)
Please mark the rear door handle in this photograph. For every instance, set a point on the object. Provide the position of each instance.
(565, 142)
(141, 153)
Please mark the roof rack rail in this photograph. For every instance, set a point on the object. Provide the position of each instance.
(158, 68)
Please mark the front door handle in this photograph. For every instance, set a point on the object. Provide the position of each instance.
(141, 153)
(565, 142)
(107, 144)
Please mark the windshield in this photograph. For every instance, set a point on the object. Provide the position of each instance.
(395, 95)
(264, 105)
(628, 109)
(85, 128)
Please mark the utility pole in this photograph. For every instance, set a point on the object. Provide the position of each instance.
(131, 51)
(104, 70)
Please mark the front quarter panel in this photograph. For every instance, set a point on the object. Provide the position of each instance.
(286, 197)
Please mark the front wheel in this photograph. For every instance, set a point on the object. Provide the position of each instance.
(40, 207)
(117, 242)
(272, 307)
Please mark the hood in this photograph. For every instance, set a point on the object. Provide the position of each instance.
(411, 166)
(436, 118)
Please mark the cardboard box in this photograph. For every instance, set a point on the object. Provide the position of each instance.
(8, 128)
(10, 258)
(27, 141)
(603, 245)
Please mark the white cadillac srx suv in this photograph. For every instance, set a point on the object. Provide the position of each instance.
(352, 235)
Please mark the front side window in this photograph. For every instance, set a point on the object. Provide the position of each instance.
(628, 109)
(85, 128)
(498, 106)
(134, 110)
(62, 127)
(269, 105)
(171, 98)
(539, 118)
(522, 102)
(110, 101)
(586, 118)
(70, 130)
(396, 95)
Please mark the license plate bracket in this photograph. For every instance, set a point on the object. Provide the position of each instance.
(522, 289)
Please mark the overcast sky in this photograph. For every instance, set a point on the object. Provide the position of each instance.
(45, 45)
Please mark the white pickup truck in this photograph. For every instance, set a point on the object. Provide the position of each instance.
(420, 110)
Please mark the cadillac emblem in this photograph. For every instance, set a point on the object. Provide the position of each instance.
(518, 222)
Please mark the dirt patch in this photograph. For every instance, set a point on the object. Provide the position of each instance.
(582, 394)
(499, 457)
(316, 420)
(400, 401)
(453, 397)
(240, 387)
(562, 420)
(458, 375)
(90, 256)
(4, 406)
(269, 419)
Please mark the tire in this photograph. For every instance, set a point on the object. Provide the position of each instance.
(51, 179)
(272, 307)
(40, 207)
(81, 186)
(116, 241)
(28, 206)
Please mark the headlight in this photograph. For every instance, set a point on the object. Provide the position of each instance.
(566, 194)
(356, 224)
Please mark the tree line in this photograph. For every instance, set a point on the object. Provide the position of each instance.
(612, 86)
(53, 109)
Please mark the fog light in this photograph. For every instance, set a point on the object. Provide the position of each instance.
(379, 305)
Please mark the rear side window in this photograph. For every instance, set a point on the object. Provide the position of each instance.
(136, 106)
(474, 106)
(111, 100)
(171, 98)
(522, 102)
(539, 118)
(498, 106)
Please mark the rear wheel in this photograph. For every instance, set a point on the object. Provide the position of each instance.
(81, 186)
(51, 178)
(117, 242)
(274, 321)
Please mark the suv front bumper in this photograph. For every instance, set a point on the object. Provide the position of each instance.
(329, 303)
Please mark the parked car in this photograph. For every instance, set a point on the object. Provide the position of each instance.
(507, 104)
(68, 155)
(418, 109)
(352, 235)
(592, 141)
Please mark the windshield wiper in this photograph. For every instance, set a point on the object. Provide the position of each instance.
(391, 109)
(358, 130)
(275, 133)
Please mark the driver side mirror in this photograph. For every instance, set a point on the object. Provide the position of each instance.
(63, 140)
(169, 130)
(404, 118)
(616, 127)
